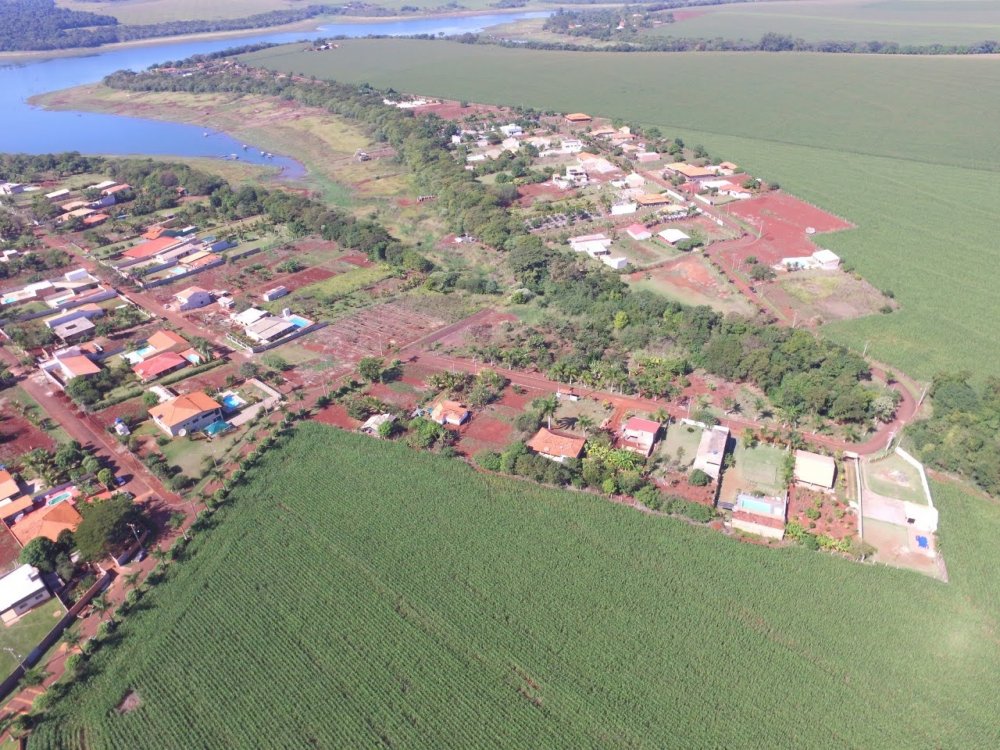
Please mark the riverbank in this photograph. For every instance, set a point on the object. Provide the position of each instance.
(326, 146)
(310, 26)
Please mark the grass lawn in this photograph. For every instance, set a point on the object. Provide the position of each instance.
(893, 477)
(892, 143)
(26, 633)
(754, 469)
(680, 437)
(564, 620)
(190, 454)
(343, 284)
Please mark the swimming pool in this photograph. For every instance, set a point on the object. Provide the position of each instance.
(753, 505)
(232, 401)
(140, 354)
(216, 428)
(298, 321)
(56, 499)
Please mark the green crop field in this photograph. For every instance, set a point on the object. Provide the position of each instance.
(903, 21)
(358, 594)
(901, 146)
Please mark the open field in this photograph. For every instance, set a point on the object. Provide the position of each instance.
(135, 12)
(754, 470)
(899, 146)
(906, 22)
(526, 614)
(893, 477)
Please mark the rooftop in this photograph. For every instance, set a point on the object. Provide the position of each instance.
(181, 408)
(555, 444)
(813, 468)
(19, 584)
(48, 522)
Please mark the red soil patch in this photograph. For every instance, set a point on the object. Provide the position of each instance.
(484, 433)
(401, 399)
(687, 272)
(18, 436)
(294, 280)
(784, 220)
(800, 500)
(337, 416)
(315, 245)
(676, 484)
(528, 194)
(356, 259)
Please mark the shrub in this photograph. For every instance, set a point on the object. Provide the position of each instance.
(699, 478)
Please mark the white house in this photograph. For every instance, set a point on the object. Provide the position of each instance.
(20, 590)
(185, 414)
(272, 294)
(192, 298)
(638, 232)
(673, 236)
(620, 209)
(615, 263)
(712, 450)
(511, 131)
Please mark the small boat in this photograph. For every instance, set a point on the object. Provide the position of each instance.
(205, 134)
(245, 147)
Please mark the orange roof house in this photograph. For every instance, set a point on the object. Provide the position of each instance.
(160, 364)
(556, 446)
(186, 414)
(8, 487)
(9, 510)
(151, 248)
(578, 117)
(48, 522)
(653, 199)
(166, 341)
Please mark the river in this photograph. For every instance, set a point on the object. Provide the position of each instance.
(28, 129)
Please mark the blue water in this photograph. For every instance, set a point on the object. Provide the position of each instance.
(216, 427)
(56, 499)
(232, 402)
(756, 506)
(31, 130)
(298, 322)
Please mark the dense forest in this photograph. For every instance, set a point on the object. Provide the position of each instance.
(803, 375)
(963, 435)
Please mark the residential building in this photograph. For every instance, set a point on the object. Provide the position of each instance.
(638, 232)
(66, 364)
(653, 199)
(159, 365)
(8, 486)
(569, 395)
(269, 328)
(556, 446)
(74, 331)
(639, 435)
(712, 450)
(21, 590)
(49, 522)
(375, 421)
(185, 414)
(690, 171)
(192, 298)
(621, 209)
(449, 412)
(165, 341)
(617, 263)
(814, 470)
(763, 516)
(578, 118)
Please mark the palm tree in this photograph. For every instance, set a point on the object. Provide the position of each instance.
(132, 579)
(33, 676)
(547, 406)
(660, 415)
(585, 423)
(71, 637)
(100, 605)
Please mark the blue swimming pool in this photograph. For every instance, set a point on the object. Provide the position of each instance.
(756, 506)
(56, 499)
(216, 428)
(298, 322)
(232, 401)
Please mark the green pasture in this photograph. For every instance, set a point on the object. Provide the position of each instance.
(437, 607)
(904, 21)
(901, 146)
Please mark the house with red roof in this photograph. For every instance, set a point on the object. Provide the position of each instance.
(556, 446)
(159, 365)
(638, 232)
(639, 435)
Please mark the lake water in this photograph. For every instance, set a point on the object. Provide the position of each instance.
(28, 129)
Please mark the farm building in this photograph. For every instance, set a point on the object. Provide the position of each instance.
(269, 328)
(276, 293)
(568, 395)
(21, 590)
(712, 450)
(577, 117)
(592, 244)
(815, 471)
(763, 516)
(638, 232)
(821, 260)
(673, 236)
(192, 298)
(615, 263)
(449, 412)
(556, 446)
(621, 209)
(375, 421)
(639, 435)
(185, 414)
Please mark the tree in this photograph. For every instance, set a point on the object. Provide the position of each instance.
(370, 368)
(100, 605)
(41, 553)
(131, 579)
(585, 423)
(546, 407)
(106, 477)
(105, 527)
(33, 676)
(699, 478)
